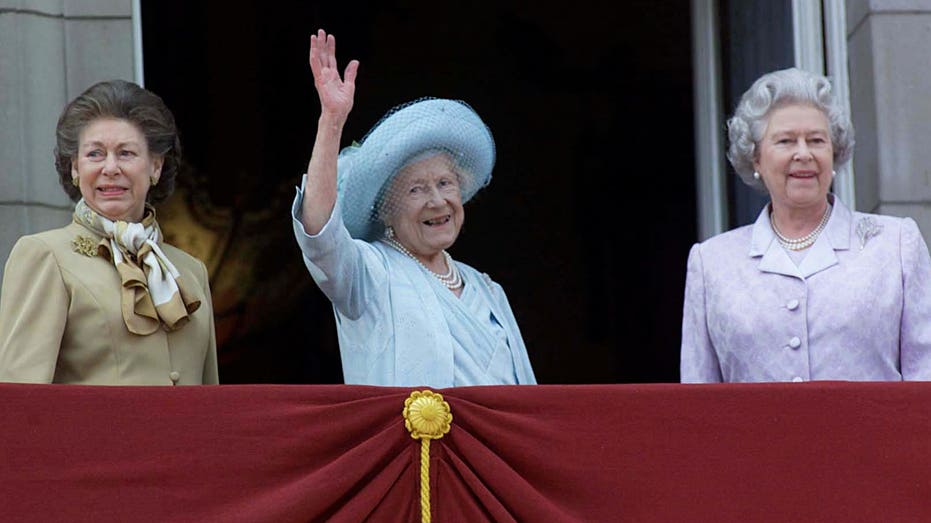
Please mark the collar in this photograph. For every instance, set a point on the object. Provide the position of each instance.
(835, 237)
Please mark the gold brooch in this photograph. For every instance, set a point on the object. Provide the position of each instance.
(84, 245)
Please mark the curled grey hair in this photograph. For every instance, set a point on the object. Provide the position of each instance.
(772, 91)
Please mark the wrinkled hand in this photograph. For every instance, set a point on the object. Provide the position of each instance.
(336, 94)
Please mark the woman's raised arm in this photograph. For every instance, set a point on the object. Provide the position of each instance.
(336, 97)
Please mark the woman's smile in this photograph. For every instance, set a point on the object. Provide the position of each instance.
(442, 220)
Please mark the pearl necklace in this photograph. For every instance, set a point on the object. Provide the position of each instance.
(452, 279)
(804, 242)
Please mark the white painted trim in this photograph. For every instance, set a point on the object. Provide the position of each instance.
(138, 73)
(806, 35)
(835, 28)
(709, 153)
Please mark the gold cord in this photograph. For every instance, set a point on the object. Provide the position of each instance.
(426, 417)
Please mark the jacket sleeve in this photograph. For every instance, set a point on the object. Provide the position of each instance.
(699, 362)
(33, 313)
(346, 270)
(211, 373)
(915, 334)
(522, 363)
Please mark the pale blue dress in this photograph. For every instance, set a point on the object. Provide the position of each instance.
(399, 326)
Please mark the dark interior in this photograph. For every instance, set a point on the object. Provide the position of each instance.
(591, 210)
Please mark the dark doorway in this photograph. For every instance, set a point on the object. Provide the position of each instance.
(749, 50)
(587, 221)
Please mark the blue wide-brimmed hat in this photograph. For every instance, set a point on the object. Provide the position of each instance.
(365, 169)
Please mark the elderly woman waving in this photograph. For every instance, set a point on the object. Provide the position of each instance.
(374, 221)
(811, 291)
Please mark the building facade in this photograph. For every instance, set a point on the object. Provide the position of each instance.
(50, 51)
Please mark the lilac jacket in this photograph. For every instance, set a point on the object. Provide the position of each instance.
(857, 307)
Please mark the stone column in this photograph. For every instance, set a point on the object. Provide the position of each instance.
(50, 51)
(890, 97)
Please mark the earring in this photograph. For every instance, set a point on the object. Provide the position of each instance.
(833, 174)
(74, 181)
(389, 232)
(153, 180)
(756, 175)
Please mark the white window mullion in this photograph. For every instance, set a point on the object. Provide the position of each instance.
(709, 153)
(806, 35)
(137, 43)
(835, 28)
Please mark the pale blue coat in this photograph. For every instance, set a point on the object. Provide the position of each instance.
(844, 313)
(393, 318)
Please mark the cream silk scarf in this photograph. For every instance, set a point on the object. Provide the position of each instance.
(152, 291)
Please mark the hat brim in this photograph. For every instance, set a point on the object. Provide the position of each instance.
(364, 170)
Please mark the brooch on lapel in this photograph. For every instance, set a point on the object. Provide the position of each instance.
(866, 229)
(84, 245)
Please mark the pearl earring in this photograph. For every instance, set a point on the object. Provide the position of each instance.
(756, 175)
(389, 232)
(833, 174)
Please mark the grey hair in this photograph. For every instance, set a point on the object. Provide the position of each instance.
(772, 91)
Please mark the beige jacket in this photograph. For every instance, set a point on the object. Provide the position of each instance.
(61, 320)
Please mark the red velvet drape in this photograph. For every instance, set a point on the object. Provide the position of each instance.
(828, 451)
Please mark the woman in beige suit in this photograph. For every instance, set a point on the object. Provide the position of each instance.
(104, 300)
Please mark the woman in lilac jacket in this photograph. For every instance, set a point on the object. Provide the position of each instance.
(811, 290)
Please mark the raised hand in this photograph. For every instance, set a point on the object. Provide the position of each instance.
(336, 94)
(336, 97)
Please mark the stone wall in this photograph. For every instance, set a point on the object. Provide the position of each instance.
(890, 96)
(50, 51)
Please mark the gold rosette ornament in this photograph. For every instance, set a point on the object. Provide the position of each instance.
(426, 417)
